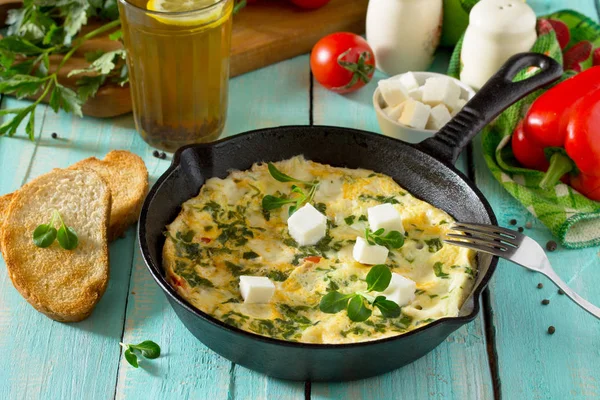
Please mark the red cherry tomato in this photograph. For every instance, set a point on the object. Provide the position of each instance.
(310, 4)
(342, 62)
(313, 259)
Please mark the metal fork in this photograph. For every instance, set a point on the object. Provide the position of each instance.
(514, 247)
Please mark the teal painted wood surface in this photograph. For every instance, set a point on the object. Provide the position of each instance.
(43, 359)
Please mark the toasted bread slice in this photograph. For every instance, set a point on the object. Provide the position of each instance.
(4, 203)
(127, 177)
(65, 285)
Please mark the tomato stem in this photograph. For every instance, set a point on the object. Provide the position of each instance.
(360, 69)
(560, 164)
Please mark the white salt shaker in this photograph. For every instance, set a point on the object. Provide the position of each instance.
(404, 33)
(498, 29)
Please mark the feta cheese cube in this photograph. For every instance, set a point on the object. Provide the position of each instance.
(438, 118)
(307, 225)
(401, 290)
(392, 91)
(394, 112)
(409, 81)
(385, 216)
(416, 94)
(365, 253)
(441, 91)
(256, 289)
(415, 114)
(458, 106)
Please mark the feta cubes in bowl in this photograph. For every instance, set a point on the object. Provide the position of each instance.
(413, 106)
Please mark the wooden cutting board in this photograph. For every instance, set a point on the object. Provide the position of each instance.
(264, 33)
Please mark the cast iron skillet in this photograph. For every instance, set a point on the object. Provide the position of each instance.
(426, 170)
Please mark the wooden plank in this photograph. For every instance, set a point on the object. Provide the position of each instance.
(531, 363)
(458, 368)
(191, 370)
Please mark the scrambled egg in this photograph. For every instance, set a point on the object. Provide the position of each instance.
(224, 233)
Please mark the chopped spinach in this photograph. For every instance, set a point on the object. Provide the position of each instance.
(250, 255)
(277, 276)
(236, 270)
(437, 269)
(434, 245)
(349, 220)
(187, 272)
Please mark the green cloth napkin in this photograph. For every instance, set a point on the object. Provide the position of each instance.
(572, 218)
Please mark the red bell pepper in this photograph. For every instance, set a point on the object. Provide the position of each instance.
(561, 134)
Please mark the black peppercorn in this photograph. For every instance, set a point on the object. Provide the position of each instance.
(163, 155)
(551, 245)
(551, 330)
(545, 302)
(520, 229)
(513, 221)
(54, 135)
(155, 153)
(540, 285)
(561, 292)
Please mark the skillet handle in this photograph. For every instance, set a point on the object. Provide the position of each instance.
(495, 96)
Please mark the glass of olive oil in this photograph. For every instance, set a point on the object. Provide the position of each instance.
(178, 59)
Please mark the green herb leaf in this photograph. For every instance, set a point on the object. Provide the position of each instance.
(149, 349)
(378, 278)
(104, 64)
(116, 35)
(388, 308)
(19, 45)
(44, 235)
(280, 176)
(277, 276)
(271, 202)
(437, 269)
(65, 98)
(349, 220)
(22, 85)
(67, 238)
(250, 255)
(357, 311)
(131, 358)
(334, 302)
(434, 245)
(392, 240)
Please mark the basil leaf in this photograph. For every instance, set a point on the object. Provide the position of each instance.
(131, 358)
(334, 302)
(280, 176)
(271, 202)
(67, 238)
(357, 311)
(148, 348)
(378, 278)
(44, 235)
(388, 308)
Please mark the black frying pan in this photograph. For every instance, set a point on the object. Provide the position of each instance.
(426, 170)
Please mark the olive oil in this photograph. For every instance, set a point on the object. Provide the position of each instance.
(179, 69)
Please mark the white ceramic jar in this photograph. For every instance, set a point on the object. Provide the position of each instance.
(404, 33)
(498, 29)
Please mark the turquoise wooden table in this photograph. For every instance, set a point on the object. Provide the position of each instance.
(505, 353)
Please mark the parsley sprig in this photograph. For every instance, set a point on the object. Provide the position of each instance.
(270, 202)
(378, 279)
(45, 234)
(44, 28)
(392, 240)
(147, 348)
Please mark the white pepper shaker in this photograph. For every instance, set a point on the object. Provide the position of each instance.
(498, 29)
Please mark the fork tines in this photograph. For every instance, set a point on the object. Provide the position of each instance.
(487, 238)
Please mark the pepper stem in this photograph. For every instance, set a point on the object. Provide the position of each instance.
(560, 164)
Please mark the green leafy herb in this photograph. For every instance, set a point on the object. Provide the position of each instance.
(277, 276)
(437, 269)
(250, 255)
(349, 220)
(378, 279)
(357, 311)
(43, 29)
(379, 198)
(363, 218)
(45, 234)
(236, 270)
(434, 245)
(271, 202)
(391, 240)
(147, 348)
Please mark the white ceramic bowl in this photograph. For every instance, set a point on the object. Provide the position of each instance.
(394, 129)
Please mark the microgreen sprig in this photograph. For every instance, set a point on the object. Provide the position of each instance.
(392, 240)
(378, 279)
(147, 348)
(45, 234)
(271, 202)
